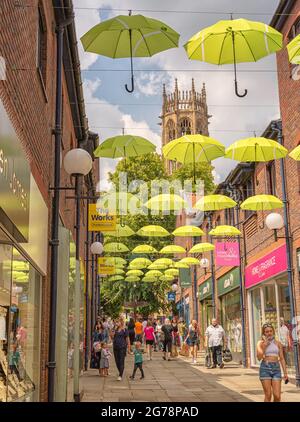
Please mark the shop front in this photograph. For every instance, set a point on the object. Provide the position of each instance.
(23, 263)
(206, 306)
(229, 297)
(268, 300)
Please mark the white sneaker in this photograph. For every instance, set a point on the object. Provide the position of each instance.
(119, 378)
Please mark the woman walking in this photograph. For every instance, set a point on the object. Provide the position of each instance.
(98, 337)
(192, 339)
(270, 352)
(120, 345)
(149, 336)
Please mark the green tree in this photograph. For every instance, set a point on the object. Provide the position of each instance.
(203, 171)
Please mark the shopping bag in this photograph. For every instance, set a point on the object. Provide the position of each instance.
(227, 355)
(207, 359)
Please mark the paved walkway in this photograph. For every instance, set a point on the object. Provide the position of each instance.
(179, 381)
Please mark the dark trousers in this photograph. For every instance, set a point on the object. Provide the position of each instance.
(216, 352)
(119, 355)
(136, 366)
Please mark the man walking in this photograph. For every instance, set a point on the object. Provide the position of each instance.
(214, 337)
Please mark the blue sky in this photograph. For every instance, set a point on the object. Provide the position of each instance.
(137, 113)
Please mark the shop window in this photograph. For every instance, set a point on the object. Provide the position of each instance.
(231, 320)
(42, 45)
(257, 319)
(271, 178)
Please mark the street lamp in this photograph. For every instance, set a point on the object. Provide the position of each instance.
(77, 163)
(204, 264)
(174, 287)
(274, 221)
(96, 248)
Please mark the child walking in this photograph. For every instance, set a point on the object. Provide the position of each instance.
(138, 360)
(104, 359)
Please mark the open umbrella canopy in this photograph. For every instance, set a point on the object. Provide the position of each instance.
(163, 261)
(139, 263)
(166, 278)
(172, 271)
(262, 203)
(116, 278)
(188, 231)
(153, 273)
(114, 247)
(166, 202)
(153, 231)
(132, 279)
(121, 231)
(293, 49)
(178, 265)
(255, 150)
(193, 149)
(215, 203)
(116, 261)
(130, 36)
(202, 247)
(172, 249)
(157, 266)
(149, 279)
(119, 271)
(136, 273)
(225, 231)
(295, 153)
(144, 249)
(190, 261)
(124, 146)
(234, 41)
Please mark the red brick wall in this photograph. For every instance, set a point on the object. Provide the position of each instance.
(32, 113)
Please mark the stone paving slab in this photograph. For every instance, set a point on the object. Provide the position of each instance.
(179, 381)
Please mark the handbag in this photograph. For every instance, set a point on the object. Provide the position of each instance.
(207, 359)
(227, 355)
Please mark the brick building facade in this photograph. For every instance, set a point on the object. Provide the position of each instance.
(28, 93)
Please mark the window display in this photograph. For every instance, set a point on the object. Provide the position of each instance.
(231, 320)
(20, 286)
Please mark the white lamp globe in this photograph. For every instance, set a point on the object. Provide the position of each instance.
(96, 248)
(78, 161)
(204, 263)
(274, 221)
(174, 287)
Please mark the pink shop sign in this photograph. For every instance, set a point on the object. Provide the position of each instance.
(270, 265)
(227, 254)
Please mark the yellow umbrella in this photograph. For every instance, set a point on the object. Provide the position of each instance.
(164, 261)
(166, 202)
(190, 261)
(121, 231)
(144, 249)
(153, 231)
(166, 278)
(115, 260)
(114, 247)
(180, 265)
(132, 279)
(188, 231)
(215, 203)
(149, 279)
(172, 249)
(202, 247)
(293, 49)
(172, 271)
(225, 231)
(255, 150)
(157, 266)
(119, 271)
(118, 203)
(262, 203)
(153, 273)
(116, 278)
(295, 153)
(139, 263)
(134, 273)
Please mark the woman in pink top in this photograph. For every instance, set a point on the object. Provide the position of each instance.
(149, 336)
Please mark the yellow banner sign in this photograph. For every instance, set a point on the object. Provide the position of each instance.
(105, 268)
(103, 222)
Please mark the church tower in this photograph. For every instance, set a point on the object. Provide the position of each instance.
(183, 113)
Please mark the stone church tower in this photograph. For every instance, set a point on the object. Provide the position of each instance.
(183, 113)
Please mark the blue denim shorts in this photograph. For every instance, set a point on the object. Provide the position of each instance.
(270, 371)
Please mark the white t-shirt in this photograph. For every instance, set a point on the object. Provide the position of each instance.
(284, 335)
(215, 335)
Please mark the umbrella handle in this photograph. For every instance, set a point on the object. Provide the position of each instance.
(131, 66)
(236, 91)
(132, 85)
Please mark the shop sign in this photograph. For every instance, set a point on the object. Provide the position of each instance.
(185, 277)
(229, 281)
(171, 296)
(14, 180)
(227, 254)
(205, 289)
(104, 267)
(101, 222)
(269, 266)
